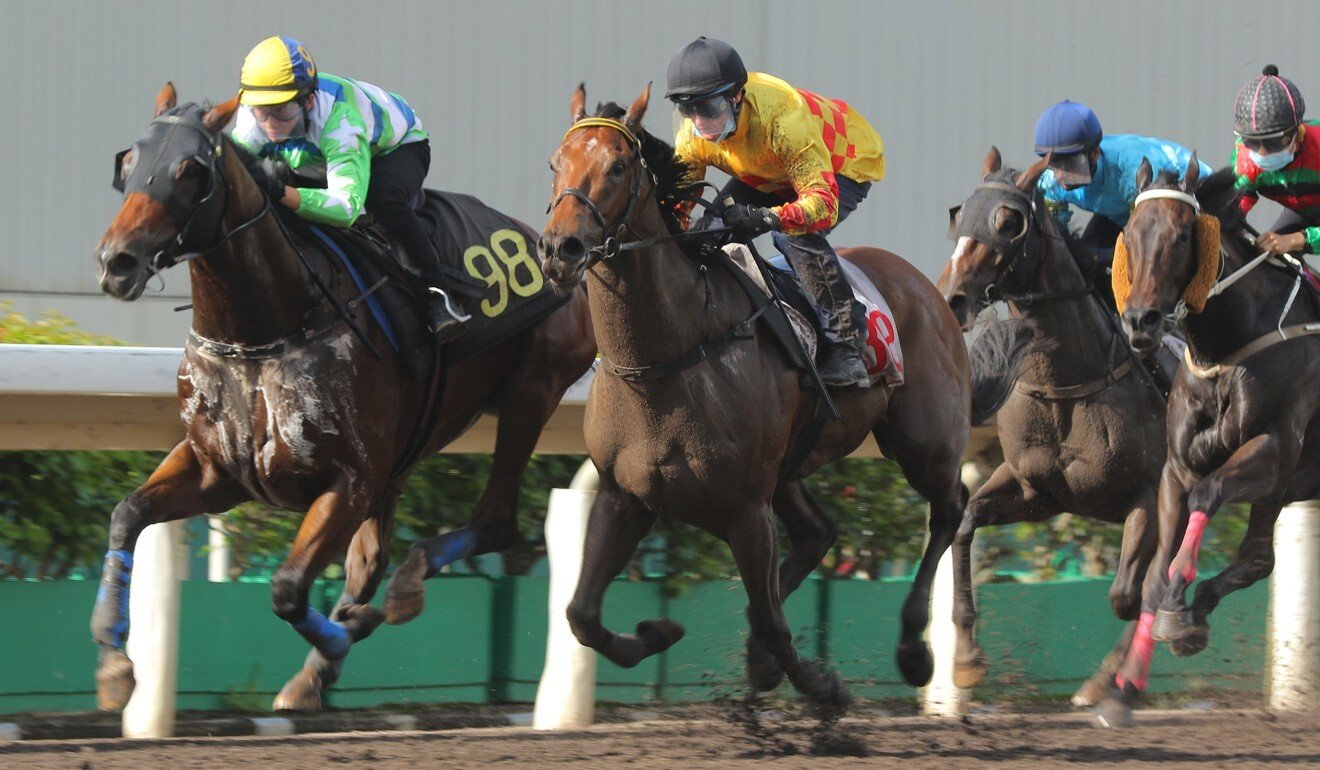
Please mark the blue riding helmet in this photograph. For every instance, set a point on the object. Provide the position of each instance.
(1067, 130)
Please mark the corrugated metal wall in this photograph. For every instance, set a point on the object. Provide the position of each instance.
(941, 80)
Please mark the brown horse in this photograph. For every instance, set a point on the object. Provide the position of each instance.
(1082, 431)
(1244, 422)
(705, 435)
(292, 412)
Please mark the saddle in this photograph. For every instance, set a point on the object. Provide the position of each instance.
(486, 258)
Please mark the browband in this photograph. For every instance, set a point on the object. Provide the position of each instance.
(605, 123)
(1176, 195)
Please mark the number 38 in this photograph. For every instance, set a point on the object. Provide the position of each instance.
(506, 265)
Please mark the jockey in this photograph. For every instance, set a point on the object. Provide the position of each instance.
(800, 163)
(1276, 156)
(366, 143)
(1098, 173)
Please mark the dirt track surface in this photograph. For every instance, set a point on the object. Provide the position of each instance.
(1164, 740)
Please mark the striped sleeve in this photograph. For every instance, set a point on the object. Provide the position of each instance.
(345, 144)
(807, 163)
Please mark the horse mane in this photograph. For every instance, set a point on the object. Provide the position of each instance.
(672, 176)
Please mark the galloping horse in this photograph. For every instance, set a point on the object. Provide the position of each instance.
(1081, 431)
(294, 412)
(1244, 419)
(696, 409)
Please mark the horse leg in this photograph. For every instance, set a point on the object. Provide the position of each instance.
(1001, 500)
(810, 533)
(753, 542)
(1251, 473)
(1133, 674)
(1140, 535)
(617, 525)
(326, 530)
(177, 489)
(364, 567)
(1254, 560)
(494, 525)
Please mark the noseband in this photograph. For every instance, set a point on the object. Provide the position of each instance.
(611, 234)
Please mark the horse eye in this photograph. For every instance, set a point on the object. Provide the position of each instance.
(617, 168)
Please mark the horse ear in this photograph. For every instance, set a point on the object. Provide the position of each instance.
(1144, 173)
(166, 99)
(633, 118)
(1027, 179)
(219, 116)
(1193, 174)
(577, 106)
(993, 162)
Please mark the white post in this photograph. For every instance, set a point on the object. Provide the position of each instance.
(941, 698)
(153, 639)
(217, 551)
(1294, 657)
(566, 696)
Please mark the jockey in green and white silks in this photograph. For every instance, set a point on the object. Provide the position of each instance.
(362, 147)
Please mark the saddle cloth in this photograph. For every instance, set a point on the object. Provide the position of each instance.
(881, 331)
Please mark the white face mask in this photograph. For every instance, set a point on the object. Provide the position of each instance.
(730, 124)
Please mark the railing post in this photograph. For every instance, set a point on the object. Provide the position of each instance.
(153, 639)
(1294, 648)
(566, 696)
(217, 551)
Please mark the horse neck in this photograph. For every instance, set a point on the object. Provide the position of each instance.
(654, 304)
(1245, 311)
(1080, 334)
(252, 288)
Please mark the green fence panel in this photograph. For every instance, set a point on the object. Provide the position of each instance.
(862, 634)
(1236, 657)
(709, 661)
(444, 655)
(49, 658)
(626, 604)
(518, 655)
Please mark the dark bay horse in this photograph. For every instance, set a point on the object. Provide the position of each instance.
(1244, 415)
(1082, 431)
(706, 442)
(296, 417)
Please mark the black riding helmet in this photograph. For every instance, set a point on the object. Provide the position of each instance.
(702, 68)
(1268, 106)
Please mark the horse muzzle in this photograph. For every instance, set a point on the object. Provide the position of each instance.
(563, 260)
(1145, 328)
(121, 275)
(965, 309)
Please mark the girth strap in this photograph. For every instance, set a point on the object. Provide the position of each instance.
(1070, 392)
(744, 330)
(1267, 340)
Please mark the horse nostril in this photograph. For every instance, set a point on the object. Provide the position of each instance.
(958, 304)
(122, 265)
(572, 249)
(1151, 320)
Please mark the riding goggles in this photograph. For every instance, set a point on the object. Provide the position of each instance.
(710, 108)
(1268, 145)
(281, 112)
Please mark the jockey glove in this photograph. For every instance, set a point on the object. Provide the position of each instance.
(266, 175)
(751, 221)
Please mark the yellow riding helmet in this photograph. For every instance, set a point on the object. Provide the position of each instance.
(276, 71)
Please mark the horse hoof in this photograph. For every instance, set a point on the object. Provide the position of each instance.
(405, 596)
(1112, 713)
(1093, 692)
(1170, 626)
(360, 620)
(763, 671)
(301, 693)
(916, 663)
(114, 681)
(660, 634)
(1195, 641)
(969, 671)
(835, 699)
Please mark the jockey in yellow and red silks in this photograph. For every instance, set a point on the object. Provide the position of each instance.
(799, 162)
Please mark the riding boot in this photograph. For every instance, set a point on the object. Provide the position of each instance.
(842, 320)
(444, 313)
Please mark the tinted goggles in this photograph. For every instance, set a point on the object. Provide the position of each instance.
(1269, 145)
(281, 112)
(706, 109)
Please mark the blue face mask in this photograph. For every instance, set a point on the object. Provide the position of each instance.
(1272, 162)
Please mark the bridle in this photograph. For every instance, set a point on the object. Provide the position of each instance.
(611, 244)
(173, 138)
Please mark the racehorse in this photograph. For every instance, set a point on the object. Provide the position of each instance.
(1082, 431)
(1243, 423)
(283, 403)
(695, 407)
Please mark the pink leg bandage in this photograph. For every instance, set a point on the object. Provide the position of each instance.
(1139, 655)
(1185, 563)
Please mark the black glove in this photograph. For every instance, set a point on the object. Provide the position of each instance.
(750, 221)
(266, 173)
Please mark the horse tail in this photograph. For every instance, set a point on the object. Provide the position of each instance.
(997, 355)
